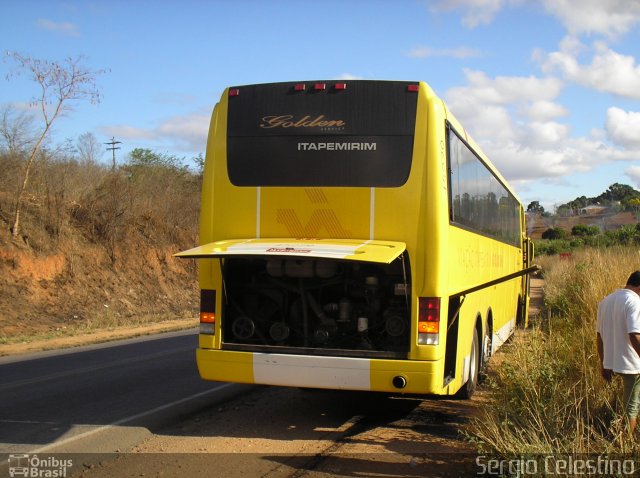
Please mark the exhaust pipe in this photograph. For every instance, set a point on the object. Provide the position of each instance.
(399, 382)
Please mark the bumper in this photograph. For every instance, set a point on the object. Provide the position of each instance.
(336, 373)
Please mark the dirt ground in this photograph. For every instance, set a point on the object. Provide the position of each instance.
(286, 433)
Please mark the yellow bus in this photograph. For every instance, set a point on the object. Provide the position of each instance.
(353, 236)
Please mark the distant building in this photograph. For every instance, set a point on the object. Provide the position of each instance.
(592, 209)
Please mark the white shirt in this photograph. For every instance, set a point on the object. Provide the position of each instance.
(619, 316)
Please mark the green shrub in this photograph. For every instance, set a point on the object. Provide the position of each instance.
(584, 230)
(554, 233)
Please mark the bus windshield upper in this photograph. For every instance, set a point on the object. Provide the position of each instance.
(284, 135)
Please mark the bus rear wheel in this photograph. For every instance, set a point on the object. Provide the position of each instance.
(469, 388)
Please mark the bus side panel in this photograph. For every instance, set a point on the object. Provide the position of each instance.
(476, 260)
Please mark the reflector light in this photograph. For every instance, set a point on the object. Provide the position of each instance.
(320, 86)
(234, 92)
(300, 87)
(340, 86)
(207, 317)
(428, 327)
(413, 87)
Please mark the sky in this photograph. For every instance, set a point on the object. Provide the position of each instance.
(550, 89)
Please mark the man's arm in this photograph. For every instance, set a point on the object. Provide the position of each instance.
(634, 338)
(606, 373)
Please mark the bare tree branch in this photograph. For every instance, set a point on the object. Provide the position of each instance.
(61, 84)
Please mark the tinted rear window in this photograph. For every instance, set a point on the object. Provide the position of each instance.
(359, 136)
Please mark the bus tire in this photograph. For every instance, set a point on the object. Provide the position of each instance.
(469, 388)
(485, 354)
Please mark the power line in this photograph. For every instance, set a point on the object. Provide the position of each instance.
(113, 151)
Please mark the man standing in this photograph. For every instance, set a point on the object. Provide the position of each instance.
(618, 328)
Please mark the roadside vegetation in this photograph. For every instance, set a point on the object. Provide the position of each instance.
(557, 241)
(547, 395)
(85, 245)
(94, 250)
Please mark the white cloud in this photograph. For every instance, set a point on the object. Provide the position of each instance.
(186, 133)
(547, 132)
(505, 90)
(609, 71)
(514, 120)
(634, 173)
(476, 12)
(543, 110)
(458, 53)
(66, 28)
(610, 18)
(623, 127)
(349, 76)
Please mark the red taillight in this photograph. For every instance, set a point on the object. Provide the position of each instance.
(429, 309)
(413, 88)
(234, 92)
(428, 315)
(299, 87)
(340, 86)
(320, 86)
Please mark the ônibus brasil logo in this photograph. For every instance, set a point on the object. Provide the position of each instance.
(38, 467)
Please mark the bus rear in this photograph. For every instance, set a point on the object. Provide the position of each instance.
(312, 268)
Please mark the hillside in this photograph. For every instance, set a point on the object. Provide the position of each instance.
(96, 243)
(77, 283)
(606, 221)
(95, 248)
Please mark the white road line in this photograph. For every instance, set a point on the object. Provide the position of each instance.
(122, 421)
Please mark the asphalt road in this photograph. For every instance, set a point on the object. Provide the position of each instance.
(101, 398)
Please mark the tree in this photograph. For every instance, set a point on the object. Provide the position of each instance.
(554, 233)
(16, 130)
(535, 207)
(149, 158)
(618, 192)
(582, 230)
(89, 149)
(60, 85)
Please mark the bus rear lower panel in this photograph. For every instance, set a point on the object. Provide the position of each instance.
(321, 372)
(316, 307)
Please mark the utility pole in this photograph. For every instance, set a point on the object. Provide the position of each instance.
(113, 151)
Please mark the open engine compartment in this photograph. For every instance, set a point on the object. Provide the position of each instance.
(316, 306)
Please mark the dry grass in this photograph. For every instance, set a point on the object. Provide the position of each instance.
(547, 396)
(101, 324)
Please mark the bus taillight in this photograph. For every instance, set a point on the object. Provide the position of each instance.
(208, 311)
(428, 320)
